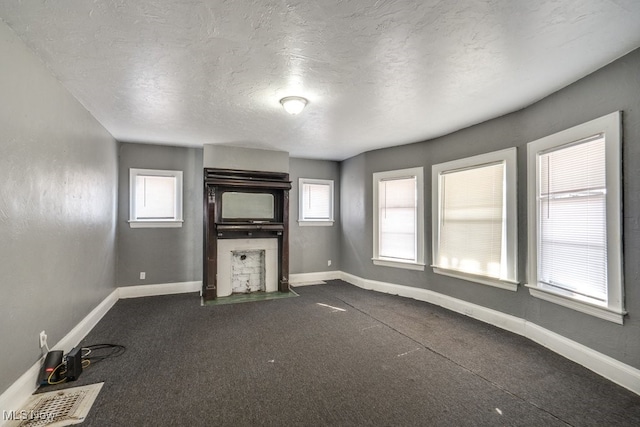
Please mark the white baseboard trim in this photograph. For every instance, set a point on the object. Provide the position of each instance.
(487, 315)
(606, 366)
(18, 393)
(302, 279)
(159, 289)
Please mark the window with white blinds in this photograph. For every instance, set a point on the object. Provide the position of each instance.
(575, 255)
(572, 241)
(315, 201)
(155, 198)
(474, 218)
(398, 219)
(471, 222)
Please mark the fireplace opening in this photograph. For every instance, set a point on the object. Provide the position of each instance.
(247, 266)
(247, 271)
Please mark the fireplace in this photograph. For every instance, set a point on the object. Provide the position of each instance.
(247, 266)
(246, 232)
(247, 272)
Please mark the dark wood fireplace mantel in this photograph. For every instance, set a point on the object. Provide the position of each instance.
(217, 226)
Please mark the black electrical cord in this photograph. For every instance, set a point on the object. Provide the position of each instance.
(98, 352)
(91, 355)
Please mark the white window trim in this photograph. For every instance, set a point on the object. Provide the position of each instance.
(314, 222)
(509, 157)
(610, 125)
(419, 264)
(152, 223)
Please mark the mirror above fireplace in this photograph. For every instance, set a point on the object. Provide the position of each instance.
(250, 206)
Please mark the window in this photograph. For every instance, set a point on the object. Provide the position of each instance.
(475, 219)
(155, 198)
(398, 218)
(575, 255)
(316, 201)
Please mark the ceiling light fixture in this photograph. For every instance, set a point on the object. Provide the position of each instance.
(293, 104)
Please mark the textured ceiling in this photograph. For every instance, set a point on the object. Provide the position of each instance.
(376, 73)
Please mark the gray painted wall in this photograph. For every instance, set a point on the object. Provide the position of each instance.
(58, 173)
(225, 157)
(169, 255)
(615, 87)
(166, 255)
(312, 246)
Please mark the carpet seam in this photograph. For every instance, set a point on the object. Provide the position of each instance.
(426, 347)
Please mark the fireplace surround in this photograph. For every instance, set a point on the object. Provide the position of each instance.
(259, 268)
(245, 211)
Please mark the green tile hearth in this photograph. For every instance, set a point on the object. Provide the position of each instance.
(252, 297)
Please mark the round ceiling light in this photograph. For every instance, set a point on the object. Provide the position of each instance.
(293, 104)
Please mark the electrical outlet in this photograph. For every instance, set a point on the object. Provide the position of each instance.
(143, 275)
(329, 263)
(43, 339)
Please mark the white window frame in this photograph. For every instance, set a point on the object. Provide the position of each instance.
(610, 126)
(509, 158)
(418, 263)
(303, 221)
(134, 222)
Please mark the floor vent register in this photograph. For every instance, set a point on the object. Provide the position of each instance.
(56, 408)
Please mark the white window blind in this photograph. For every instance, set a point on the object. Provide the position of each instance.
(316, 200)
(473, 221)
(155, 197)
(572, 237)
(574, 217)
(397, 204)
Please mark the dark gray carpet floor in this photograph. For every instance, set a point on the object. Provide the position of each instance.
(383, 361)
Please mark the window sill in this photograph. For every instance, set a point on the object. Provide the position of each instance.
(407, 265)
(566, 300)
(315, 223)
(155, 224)
(483, 280)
